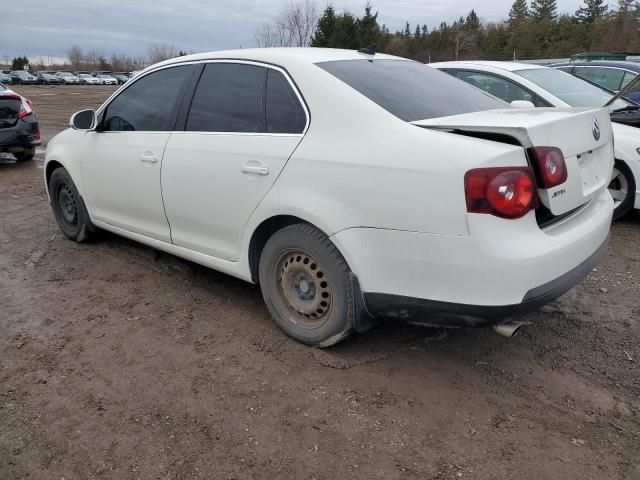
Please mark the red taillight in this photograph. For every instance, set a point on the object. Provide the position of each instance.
(26, 108)
(37, 135)
(550, 164)
(507, 192)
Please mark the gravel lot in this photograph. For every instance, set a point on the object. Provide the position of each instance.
(120, 362)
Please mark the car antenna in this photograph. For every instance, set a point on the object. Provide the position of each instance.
(370, 50)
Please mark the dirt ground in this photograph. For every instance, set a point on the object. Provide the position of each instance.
(118, 362)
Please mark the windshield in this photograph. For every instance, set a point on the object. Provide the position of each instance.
(630, 92)
(571, 90)
(409, 90)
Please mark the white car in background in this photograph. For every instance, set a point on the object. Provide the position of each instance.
(107, 80)
(346, 184)
(86, 79)
(548, 87)
(68, 78)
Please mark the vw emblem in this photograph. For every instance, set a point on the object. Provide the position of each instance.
(595, 129)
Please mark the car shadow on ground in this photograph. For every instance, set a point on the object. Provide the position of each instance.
(386, 339)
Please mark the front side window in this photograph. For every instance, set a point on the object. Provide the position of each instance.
(229, 98)
(409, 90)
(150, 104)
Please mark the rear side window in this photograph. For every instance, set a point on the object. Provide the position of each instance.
(229, 98)
(284, 111)
(150, 104)
(409, 90)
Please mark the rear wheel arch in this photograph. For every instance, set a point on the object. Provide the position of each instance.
(265, 230)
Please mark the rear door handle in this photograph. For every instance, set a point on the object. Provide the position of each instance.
(255, 169)
(148, 157)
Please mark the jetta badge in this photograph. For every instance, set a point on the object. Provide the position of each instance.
(595, 129)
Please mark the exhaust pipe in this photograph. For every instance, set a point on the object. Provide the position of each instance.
(508, 330)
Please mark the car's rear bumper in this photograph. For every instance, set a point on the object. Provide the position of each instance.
(499, 269)
(20, 137)
(433, 312)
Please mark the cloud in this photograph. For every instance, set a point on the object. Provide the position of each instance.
(129, 26)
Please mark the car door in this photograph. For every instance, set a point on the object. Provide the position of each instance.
(122, 158)
(244, 122)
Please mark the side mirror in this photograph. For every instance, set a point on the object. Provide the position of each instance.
(522, 104)
(83, 120)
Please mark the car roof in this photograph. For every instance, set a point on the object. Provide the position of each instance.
(281, 55)
(508, 66)
(601, 63)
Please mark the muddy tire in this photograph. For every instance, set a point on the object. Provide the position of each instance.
(68, 207)
(307, 286)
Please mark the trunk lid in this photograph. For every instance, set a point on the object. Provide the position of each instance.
(10, 105)
(582, 134)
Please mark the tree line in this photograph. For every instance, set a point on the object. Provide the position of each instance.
(529, 30)
(93, 60)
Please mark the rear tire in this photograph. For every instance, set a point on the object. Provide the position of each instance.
(307, 286)
(68, 207)
(622, 189)
(25, 156)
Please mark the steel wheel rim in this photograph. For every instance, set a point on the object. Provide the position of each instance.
(67, 204)
(304, 288)
(619, 187)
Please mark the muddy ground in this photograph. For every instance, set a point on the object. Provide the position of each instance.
(118, 362)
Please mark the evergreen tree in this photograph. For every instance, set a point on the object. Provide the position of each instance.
(417, 33)
(326, 28)
(592, 11)
(407, 30)
(544, 10)
(368, 27)
(19, 63)
(519, 12)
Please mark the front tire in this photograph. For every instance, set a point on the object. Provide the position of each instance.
(68, 207)
(307, 286)
(623, 190)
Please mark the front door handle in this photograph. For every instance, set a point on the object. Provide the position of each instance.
(255, 169)
(148, 157)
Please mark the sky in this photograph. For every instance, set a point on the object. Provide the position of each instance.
(47, 28)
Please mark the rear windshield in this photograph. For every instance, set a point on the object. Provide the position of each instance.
(409, 90)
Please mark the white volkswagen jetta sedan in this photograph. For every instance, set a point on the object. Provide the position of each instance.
(349, 186)
(547, 87)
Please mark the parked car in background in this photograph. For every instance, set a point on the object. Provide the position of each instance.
(48, 78)
(22, 77)
(5, 78)
(106, 79)
(613, 76)
(19, 132)
(431, 200)
(68, 78)
(86, 79)
(548, 87)
(121, 77)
